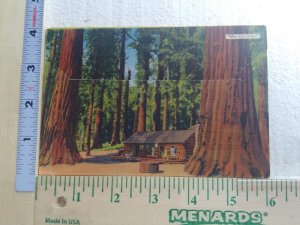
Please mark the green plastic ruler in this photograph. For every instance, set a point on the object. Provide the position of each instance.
(93, 200)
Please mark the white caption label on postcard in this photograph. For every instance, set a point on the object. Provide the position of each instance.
(242, 36)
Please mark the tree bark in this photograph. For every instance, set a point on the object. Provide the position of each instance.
(136, 114)
(84, 123)
(117, 118)
(49, 78)
(263, 114)
(157, 95)
(143, 100)
(90, 119)
(125, 113)
(59, 135)
(229, 142)
(165, 112)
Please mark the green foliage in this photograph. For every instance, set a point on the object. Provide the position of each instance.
(107, 146)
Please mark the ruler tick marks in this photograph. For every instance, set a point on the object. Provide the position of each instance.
(178, 181)
(150, 190)
(247, 192)
(74, 189)
(46, 183)
(198, 186)
(102, 184)
(256, 188)
(188, 192)
(130, 187)
(83, 184)
(267, 197)
(36, 187)
(169, 188)
(207, 189)
(112, 189)
(140, 184)
(217, 187)
(93, 187)
(159, 184)
(227, 192)
(55, 186)
(222, 184)
(121, 184)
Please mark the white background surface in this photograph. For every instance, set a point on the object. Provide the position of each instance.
(282, 20)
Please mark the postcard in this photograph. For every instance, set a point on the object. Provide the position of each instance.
(157, 101)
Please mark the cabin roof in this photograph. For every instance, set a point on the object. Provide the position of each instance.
(159, 137)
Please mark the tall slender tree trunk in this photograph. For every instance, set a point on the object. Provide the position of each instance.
(229, 142)
(83, 134)
(90, 119)
(125, 112)
(59, 134)
(143, 100)
(49, 79)
(136, 114)
(165, 112)
(263, 114)
(157, 96)
(97, 143)
(117, 118)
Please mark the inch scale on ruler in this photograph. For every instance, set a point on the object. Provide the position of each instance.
(94, 200)
(29, 96)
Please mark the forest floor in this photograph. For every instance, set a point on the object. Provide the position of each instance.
(101, 164)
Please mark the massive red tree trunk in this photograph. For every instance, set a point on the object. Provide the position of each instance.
(229, 141)
(143, 99)
(263, 114)
(59, 142)
(49, 78)
(117, 118)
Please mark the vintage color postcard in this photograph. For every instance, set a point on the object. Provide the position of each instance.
(169, 101)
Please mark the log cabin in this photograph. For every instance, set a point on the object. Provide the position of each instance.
(169, 145)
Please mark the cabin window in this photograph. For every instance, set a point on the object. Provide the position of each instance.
(173, 151)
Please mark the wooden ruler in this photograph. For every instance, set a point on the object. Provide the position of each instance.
(94, 200)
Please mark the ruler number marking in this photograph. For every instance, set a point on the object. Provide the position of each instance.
(116, 198)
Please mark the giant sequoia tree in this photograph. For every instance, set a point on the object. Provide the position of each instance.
(115, 139)
(59, 142)
(229, 143)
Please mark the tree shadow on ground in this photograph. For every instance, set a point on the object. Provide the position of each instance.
(105, 159)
